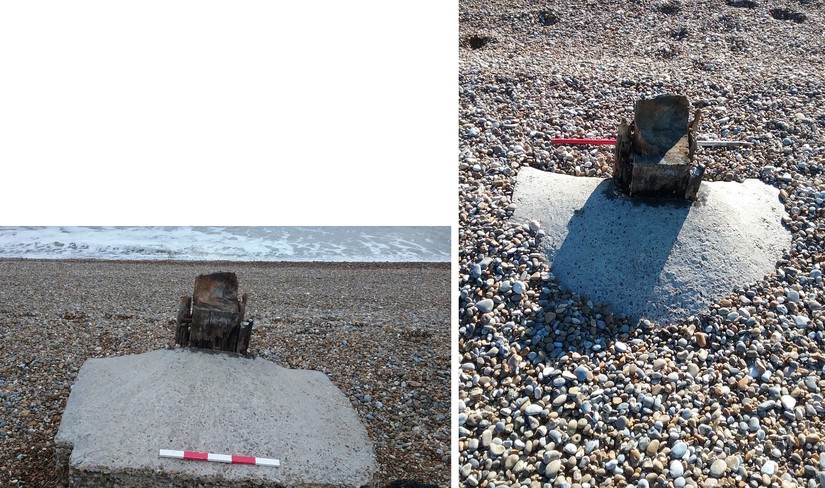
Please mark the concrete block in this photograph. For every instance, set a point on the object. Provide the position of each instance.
(650, 257)
(123, 410)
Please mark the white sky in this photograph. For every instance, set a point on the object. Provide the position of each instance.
(228, 113)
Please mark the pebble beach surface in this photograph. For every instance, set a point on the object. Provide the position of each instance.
(379, 331)
(555, 390)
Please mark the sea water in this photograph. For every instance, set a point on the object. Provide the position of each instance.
(332, 244)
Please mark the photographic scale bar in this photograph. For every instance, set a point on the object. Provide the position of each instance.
(218, 458)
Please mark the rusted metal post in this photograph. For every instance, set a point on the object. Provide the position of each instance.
(213, 318)
(654, 153)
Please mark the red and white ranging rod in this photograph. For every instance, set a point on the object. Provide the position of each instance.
(218, 458)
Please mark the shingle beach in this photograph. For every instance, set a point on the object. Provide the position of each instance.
(554, 389)
(379, 331)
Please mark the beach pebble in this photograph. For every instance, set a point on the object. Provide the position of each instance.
(550, 455)
(676, 469)
(497, 449)
(533, 409)
(652, 447)
(679, 450)
(511, 461)
(582, 373)
(718, 468)
(552, 467)
(485, 305)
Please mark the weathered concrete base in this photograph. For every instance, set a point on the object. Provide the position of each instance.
(653, 259)
(123, 410)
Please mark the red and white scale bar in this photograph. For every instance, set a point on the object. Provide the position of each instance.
(218, 458)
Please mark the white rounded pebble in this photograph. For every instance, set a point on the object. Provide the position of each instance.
(717, 469)
(552, 467)
(676, 469)
(533, 409)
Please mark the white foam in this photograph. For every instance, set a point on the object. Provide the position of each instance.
(354, 244)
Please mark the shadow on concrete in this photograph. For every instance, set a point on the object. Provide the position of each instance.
(616, 249)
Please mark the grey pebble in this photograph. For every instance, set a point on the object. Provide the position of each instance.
(679, 450)
(801, 321)
(550, 455)
(485, 305)
(582, 373)
(718, 468)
